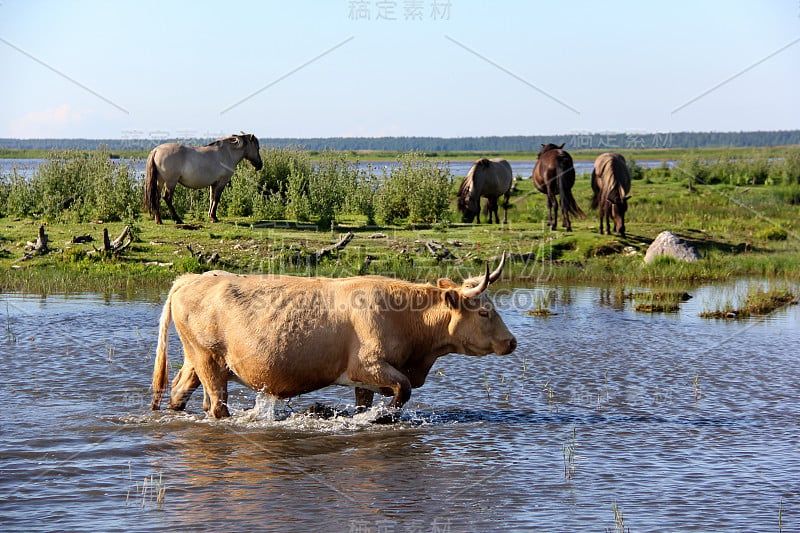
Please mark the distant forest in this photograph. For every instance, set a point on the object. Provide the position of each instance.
(516, 143)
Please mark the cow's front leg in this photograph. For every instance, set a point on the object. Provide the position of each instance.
(391, 378)
(386, 378)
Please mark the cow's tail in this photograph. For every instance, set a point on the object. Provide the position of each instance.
(566, 170)
(152, 196)
(160, 370)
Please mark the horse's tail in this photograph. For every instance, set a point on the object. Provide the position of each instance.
(160, 370)
(566, 171)
(152, 195)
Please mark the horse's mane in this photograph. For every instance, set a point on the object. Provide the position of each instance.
(469, 180)
(222, 140)
(611, 173)
(249, 137)
(548, 147)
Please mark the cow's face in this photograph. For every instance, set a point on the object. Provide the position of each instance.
(476, 327)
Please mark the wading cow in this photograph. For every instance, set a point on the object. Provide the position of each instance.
(286, 335)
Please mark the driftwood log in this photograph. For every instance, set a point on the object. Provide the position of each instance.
(36, 248)
(124, 240)
(325, 252)
(439, 251)
(202, 258)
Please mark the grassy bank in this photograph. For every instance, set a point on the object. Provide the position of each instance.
(741, 229)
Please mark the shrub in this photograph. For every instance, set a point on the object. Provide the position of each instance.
(20, 196)
(789, 168)
(693, 169)
(77, 186)
(772, 233)
(634, 169)
(263, 193)
(416, 190)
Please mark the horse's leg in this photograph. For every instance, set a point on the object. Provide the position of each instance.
(168, 199)
(552, 210)
(602, 217)
(158, 207)
(565, 217)
(505, 208)
(214, 194)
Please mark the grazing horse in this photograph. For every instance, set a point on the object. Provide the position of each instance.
(554, 174)
(490, 178)
(611, 183)
(210, 166)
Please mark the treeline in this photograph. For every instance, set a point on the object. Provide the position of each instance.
(516, 143)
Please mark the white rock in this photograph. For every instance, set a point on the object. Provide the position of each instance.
(667, 243)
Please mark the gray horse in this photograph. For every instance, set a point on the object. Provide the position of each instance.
(490, 178)
(611, 183)
(210, 166)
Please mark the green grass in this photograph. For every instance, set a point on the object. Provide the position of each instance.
(741, 230)
(757, 303)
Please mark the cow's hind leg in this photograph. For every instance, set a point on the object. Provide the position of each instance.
(214, 378)
(184, 384)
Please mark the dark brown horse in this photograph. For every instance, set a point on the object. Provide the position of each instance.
(554, 174)
(611, 183)
(490, 178)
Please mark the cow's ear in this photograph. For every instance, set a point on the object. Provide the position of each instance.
(453, 299)
(444, 283)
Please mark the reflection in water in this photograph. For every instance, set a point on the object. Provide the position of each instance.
(686, 423)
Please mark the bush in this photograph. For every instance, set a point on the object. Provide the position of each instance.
(263, 193)
(335, 188)
(76, 186)
(416, 190)
(636, 172)
(19, 195)
(789, 168)
(692, 169)
(772, 233)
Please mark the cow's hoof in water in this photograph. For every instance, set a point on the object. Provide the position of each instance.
(388, 418)
(319, 410)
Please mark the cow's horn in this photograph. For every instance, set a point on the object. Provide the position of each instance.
(494, 276)
(475, 291)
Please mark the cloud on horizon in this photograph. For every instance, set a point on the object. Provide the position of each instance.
(50, 122)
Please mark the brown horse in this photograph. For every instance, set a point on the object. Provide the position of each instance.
(210, 166)
(611, 183)
(554, 174)
(490, 178)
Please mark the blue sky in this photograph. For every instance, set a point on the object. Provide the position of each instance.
(458, 68)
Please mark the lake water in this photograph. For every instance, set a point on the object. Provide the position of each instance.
(27, 167)
(682, 423)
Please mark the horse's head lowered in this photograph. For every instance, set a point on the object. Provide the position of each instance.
(469, 195)
(249, 143)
